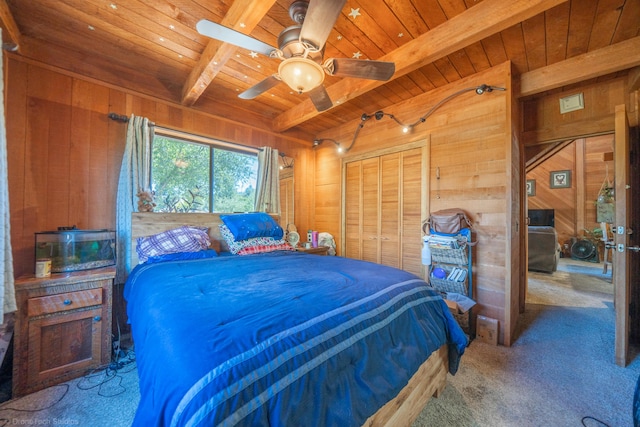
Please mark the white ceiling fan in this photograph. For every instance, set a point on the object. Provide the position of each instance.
(301, 50)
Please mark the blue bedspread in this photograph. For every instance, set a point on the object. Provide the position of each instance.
(278, 339)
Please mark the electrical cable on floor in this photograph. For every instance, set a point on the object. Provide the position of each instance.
(587, 417)
(109, 373)
(5, 421)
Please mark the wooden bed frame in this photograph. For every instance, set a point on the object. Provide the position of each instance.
(429, 380)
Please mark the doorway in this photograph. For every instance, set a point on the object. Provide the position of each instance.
(586, 154)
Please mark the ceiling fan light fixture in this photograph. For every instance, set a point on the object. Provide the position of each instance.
(301, 74)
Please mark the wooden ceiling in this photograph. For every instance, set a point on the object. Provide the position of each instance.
(152, 47)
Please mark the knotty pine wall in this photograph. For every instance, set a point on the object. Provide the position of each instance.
(589, 160)
(64, 153)
(471, 145)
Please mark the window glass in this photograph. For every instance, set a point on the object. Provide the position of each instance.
(189, 176)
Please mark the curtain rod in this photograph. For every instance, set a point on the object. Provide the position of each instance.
(118, 118)
(123, 118)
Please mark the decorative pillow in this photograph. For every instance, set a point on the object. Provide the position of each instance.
(182, 239)
(260, 249)
(208, 253)
(235, 246)
(249, 225)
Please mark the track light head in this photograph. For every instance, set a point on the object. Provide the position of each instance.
(482, 89)
(379, 115)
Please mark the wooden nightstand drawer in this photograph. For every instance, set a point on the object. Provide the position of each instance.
(64, 302)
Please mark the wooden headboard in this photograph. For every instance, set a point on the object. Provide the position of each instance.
(149, 223)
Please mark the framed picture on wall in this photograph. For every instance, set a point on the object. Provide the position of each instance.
(531, 187)
(560, 179)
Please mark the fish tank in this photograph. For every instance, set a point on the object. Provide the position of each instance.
(75, 249)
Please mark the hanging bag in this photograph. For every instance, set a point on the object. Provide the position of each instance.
(447, 221)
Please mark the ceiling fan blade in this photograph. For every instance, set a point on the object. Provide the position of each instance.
(359, 68)
(319, 20)
(320, 98)
(227, 35)
(260, 87)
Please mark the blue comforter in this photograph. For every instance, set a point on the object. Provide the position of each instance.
(279, 339)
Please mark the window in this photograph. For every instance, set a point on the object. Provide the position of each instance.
(195, 174)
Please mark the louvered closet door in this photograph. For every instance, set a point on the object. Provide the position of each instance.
(370, 205)
(352, 211)
(411, 205)
(383, 209)
(389, 213)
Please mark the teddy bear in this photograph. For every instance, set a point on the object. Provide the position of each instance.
(145, 201)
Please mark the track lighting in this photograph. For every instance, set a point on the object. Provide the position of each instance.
(408, 128)
(317, 142)
(486, 88)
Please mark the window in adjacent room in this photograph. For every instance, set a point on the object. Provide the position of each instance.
(196, 174)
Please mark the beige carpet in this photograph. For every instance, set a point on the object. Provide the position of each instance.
(560, 369)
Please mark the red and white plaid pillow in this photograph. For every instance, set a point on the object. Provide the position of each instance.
(259, 249)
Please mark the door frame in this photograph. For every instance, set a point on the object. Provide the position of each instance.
(621, 266)
(621, 271)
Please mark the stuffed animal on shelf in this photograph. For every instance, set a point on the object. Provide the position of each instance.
(145, 201)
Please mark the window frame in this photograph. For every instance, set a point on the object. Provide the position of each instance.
(200, 139)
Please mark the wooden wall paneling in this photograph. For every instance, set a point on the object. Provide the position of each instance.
(323, 185)
(80, 154)
(562, 200)
(16, 106)
(92, 103)
(49, 127)
(543, 121)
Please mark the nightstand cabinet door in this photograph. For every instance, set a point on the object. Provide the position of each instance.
(63, 328)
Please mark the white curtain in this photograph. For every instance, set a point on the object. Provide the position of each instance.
(7, 292)
(268, 183)
(134, 176)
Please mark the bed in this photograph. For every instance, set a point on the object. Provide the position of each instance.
(283, 338)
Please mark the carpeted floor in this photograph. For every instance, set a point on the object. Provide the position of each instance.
(560, 370)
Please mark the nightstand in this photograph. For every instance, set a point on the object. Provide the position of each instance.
(63, 327)
(320, 250)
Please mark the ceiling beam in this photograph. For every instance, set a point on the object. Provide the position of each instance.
(243, 16)
(11, 32)
(606, 60)
(473, 25)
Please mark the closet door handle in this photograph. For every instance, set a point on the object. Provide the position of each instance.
(373, 237)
